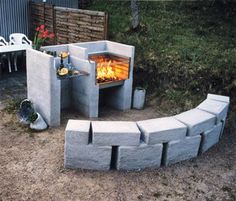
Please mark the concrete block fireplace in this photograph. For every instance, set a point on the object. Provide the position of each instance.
(106, 78)
(104, 57)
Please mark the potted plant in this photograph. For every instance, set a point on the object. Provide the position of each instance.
(139, 98)
(26, 109)
(41, 36)
(28, 115)
(37, 122)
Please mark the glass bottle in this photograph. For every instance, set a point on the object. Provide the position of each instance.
(62, 64)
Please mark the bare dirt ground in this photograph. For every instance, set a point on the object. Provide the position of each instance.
(31, 165)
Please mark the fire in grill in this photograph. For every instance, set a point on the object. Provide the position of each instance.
(110, 68)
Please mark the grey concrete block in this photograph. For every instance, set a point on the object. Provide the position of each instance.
(139, 157)
(161, 130)
(43, 87)
(78, 52)
(84, 91)
(115, 133)
(139, 98)
(57, 48)
(87, 157)
(210, 138)
(121, 96)
(77, 132)
(218, 97)
(215, 107)
(66, 95)
(120, 49)
(180, 150)
(198, 121)
(93, 46)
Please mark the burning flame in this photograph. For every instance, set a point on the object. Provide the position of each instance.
(105, 71)
(109, 69)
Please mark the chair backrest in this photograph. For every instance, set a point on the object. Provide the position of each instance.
(3, 42)
(19, 39)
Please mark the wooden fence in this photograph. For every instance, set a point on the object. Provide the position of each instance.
(69, 25)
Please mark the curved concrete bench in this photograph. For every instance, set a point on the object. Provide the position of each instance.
(101, 145)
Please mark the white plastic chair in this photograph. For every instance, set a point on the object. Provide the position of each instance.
(3, 42)
(18, 39)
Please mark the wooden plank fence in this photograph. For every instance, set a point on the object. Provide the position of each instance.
(69, 25)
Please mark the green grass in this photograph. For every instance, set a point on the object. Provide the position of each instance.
(188, 47)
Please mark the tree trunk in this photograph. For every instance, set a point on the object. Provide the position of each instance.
(135, 14)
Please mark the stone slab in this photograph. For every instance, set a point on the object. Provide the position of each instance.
(120, 49)
(218, 97)
(87, 157)
(162, 130)
(115, 133)
(215, 107)
(66, 93)
(139, 157)
(43, 87)
(210, 138)
(77, 132)
(198, 121)
(180, 150)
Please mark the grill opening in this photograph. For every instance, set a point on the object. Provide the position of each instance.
(110, 68)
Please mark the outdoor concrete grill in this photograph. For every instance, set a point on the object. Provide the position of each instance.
(106, 78)
(117, 92)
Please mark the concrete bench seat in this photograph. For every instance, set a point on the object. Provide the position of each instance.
(126, 145)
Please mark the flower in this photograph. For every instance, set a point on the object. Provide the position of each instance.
(41, 36)
(51, 35)
(42, 27)
(45, 34)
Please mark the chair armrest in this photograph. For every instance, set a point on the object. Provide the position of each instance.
(27, 41)
(11, 42)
